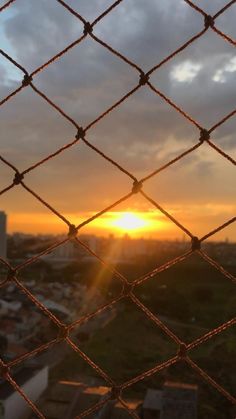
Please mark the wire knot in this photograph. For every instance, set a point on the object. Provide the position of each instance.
(11, 274)
(204, 135)
(63, 332)
(80, 133)
(27, 80)
(143, 79)
(208, 21)
(182, 352)
(18, 178)
(88, 28)
(115, 392)
(196, 244)
(72, 233)
(127, 289)
(137, 186)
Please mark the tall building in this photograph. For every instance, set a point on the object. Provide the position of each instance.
(3, 235)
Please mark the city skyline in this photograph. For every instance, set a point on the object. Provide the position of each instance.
(136, 224)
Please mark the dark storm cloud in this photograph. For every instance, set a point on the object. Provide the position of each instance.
(144, 132)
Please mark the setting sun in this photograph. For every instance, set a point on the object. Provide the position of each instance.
(130, 221)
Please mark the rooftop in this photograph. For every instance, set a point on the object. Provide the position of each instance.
(21, 377)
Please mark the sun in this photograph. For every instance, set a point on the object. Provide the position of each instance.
(129, 221)
(134, 223)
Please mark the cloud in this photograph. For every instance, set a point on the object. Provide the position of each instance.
(185, 72)
(221, 74)
(143, 132)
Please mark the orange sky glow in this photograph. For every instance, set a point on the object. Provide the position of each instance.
(137, 135)
(147, 224)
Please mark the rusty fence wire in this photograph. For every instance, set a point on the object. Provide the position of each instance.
(142, 80)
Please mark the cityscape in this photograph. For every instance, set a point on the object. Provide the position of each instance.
(117, 214)
(70, 283)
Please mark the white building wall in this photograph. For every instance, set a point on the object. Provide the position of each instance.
(15, 406)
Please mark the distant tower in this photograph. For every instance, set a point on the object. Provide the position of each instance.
(3, 235)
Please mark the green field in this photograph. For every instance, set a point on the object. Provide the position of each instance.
(191, 299)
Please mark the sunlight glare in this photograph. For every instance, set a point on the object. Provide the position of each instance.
(130, 221)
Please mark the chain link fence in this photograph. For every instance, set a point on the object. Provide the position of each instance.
(143, 80)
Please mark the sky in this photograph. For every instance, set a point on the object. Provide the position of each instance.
(141, 135)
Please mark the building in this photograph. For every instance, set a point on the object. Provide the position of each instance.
(3, 235)
(179, 401)
(175, 401)
(62, 255)
(69, 252)
(58, 401)
(33, 382)
(152, 404)
(67, 400)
